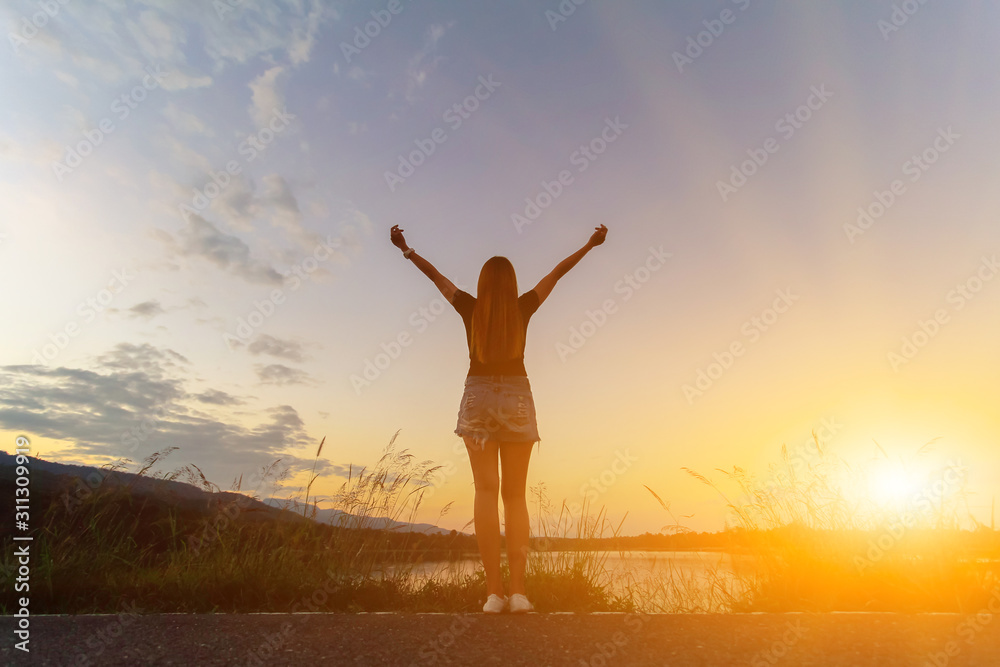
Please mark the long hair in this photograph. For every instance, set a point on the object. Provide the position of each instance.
(497, 326)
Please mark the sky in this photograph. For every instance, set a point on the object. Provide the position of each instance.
(196, 197)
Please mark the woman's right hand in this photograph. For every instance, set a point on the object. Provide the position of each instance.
(396, 236)
(597, 238)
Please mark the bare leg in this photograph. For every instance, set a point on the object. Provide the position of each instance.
(514, 458)
(487, 519)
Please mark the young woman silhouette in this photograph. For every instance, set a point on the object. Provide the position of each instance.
(497, 413)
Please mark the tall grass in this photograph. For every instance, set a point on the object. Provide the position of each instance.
(815, 540)
(574, 579)
(110, 545)
(804, 540)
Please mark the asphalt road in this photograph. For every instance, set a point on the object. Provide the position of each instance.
(597, 640)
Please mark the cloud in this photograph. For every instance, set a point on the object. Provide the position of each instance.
(237, 204)
(175, 35)
(283, 206)
(40, 153)
(281, 375)
(146, 309)
(185, 155)
(146, 358)
(265, 97)
(239, 207)
(105, 411)
(275, 347)
(304, 36)
(157, 39)
(271, 199)
(183, 78)
(202, 239)
(186, 122)
(277, 193)
(250, 30)
(218, 397)
(425, 61)
(68, 79)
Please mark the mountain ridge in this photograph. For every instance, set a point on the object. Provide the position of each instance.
(55, 477)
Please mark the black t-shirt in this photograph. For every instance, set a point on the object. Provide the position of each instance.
(465, 303)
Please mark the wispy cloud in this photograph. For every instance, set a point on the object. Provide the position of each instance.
(265, 97)
(218, 397)
(425, 61)
(185, 121)
(146, 310)
(200, 238)
(278, 348)
(281, 375)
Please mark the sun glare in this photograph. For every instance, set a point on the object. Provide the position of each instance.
(891, 486)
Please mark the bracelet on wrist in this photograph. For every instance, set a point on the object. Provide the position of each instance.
(407, 253)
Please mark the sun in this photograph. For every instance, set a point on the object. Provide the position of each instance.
(891, 486)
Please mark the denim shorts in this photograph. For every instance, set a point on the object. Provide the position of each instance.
(497, 407)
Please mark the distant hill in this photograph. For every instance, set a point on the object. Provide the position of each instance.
(336, 517)
(49, 478)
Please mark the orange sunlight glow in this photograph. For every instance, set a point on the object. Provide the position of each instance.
(891, 487)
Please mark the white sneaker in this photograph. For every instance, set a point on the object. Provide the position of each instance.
(495, 604)
(519, 604)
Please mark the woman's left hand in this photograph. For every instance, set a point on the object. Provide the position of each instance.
(396, 236)
(597, 238)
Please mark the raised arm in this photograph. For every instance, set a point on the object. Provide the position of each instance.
(446, 287)
(545, 285)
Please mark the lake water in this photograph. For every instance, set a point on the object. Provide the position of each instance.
(667, 580)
